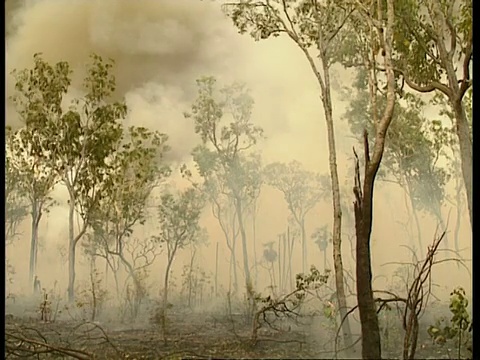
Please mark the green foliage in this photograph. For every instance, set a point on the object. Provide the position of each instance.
(178, 215)
(209, 112)
(76, 143)
(16, 206)
(91, 296)
(458, 326)
(195, 280)
(416, 48)
(301, 189)
(413, 147)
(136, 167)
(322, 237)
(308, 23)
(269, 253)
(223, 120)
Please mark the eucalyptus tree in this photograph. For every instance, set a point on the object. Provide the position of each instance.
(454, 157)
(301, 189)
(16, 205)
(371, 34)
(413, 148)
(38, 101)
(78, 140)
(433, 52)
(179, 216)
(222, 119)
(136, 168)
(316, 28)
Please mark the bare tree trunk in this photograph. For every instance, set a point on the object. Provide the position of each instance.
(36, 216)
(71, 252)
(254, 235)
(464, 139)
(165, 297)
(337, 209)
(459, 203)
(415, 217)
(363, 205)
(304, 245)
(216, 270)
(371, 343)
(238, 206)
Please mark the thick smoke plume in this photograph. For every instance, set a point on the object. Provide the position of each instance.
(159, 47)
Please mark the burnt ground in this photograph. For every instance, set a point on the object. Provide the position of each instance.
(190, 335)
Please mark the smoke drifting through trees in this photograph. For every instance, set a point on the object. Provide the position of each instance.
(249, 210)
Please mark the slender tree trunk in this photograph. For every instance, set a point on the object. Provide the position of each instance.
(279, 262)
(465, 142)
(459, 203)
(233, 264)
(36, 216)
(165, 297)
(290, 254)
(415, 217)
(239, 209)
(337, 208)
(284, 267)
(304, 245)
(71, 252)
(216, 270)
(190, 276)
(254, 235)
(455, 95)
(94, 288)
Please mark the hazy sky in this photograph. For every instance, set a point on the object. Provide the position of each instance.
(160, 48)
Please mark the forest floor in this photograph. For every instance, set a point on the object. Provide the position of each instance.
(194, 336)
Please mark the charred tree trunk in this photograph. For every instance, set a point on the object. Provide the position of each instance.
(371, 343)
(363, 205)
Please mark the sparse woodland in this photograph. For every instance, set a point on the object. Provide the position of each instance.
(158, 284)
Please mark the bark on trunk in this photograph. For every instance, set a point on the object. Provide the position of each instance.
(465, 142)
(304, 245)
(216, 270)
(239, 209)
(455, 94)
(71, 252)
(337, 210)
(165, 298)
(371, 343)
(415, 217)
(36, 216)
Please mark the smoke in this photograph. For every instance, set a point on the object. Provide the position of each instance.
(159, 48)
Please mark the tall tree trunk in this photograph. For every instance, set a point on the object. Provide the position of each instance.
(254, 235)
(459, 203)
(415, 217)
(363, 206)
(464, 139)
(165, 297)
(71, 252)
(36, 216)
(304, 245)
(216, 270)
(337, 208)
(239, 209)
(455, 94)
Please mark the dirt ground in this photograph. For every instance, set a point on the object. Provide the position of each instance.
(190, 336)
